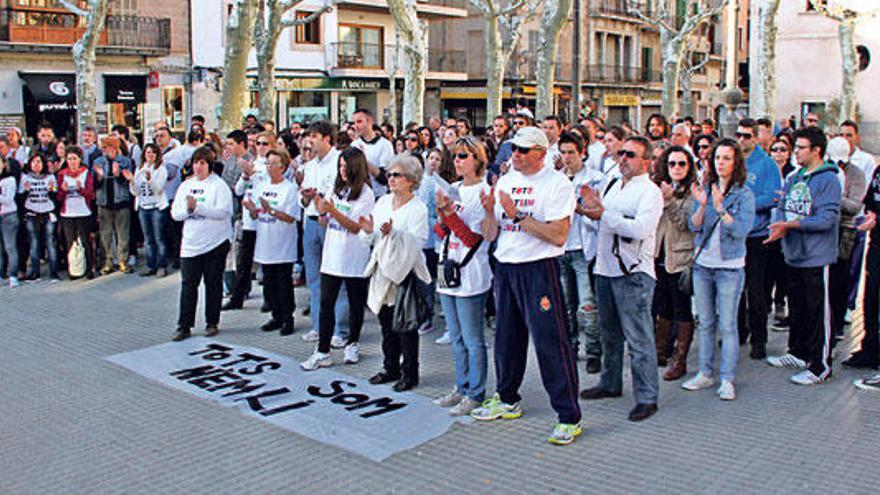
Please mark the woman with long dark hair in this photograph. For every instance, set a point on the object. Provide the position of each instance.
(722, 218)
(77, 196)
(148, 187)
(40, 188)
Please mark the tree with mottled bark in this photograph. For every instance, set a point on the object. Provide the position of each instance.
(674, 34)
(84, 58)
(270, 21)
(553, 17)
(505, 23)
(689, 67)
(762, 87)
(414, 40)
(393, 69)
(846, 26)
(239, 38)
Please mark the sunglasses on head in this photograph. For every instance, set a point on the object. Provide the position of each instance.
(262, 143)
(778, 149)
(744, 135)
(520, 149)
(682, 164)
(626, 153)
(395, 175)
(462, 155)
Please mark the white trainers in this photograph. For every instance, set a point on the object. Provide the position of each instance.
(464, 407)
(698, 382)
(311, 336)
(444, 339)
(337, 342)
(806, 377)
(868, 383)
(352, 353)
(449, 400)
(726, 391)
(13, 282)
(317, 360)
(786, 361)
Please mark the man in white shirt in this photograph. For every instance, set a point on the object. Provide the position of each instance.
(377, 149)
(865, 161)
(552, 127)
(529, 213)
(319, 178)
(629, 212)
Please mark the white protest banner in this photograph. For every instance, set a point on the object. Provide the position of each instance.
(327, 406)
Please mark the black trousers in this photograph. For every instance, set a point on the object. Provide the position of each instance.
(776, 275)
(871, 305)
(173, 234)
(396, 345)
(356, 288)
(753, 302)
(838, 292)
(78, 228)
(278, 290)
(192, 270)
(244, 263)
(810, 335)
(669, 301)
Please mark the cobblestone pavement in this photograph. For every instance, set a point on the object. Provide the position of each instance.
(75, 423)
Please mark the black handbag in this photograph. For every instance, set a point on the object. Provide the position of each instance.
(410, 309)
(449, 275)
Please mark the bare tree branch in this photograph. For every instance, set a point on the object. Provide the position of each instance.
(73, 8)
(286, 23)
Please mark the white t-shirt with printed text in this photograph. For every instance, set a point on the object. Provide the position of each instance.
(344, 255)
(276, 240)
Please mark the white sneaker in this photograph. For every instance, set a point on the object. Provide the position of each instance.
(868, 383)
(352, 353)
(311, 336)
(726, 391)
(448, 400)
(806, 377)
(786, 361)
(426, 327)
(444, 339)
(132, 261)
(317, 360)
(337, 342)
(13, 282)
(464, 407)
(698, 382)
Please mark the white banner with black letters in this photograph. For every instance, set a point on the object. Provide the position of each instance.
(327, 406)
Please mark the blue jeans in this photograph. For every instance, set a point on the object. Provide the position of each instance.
(625, 316)
(8, 243)
(313, 248)
(574, 271)
(717, 293)
(464, 321)
(42, 233)
(153, 225)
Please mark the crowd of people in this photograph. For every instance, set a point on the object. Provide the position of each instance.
(580, 237)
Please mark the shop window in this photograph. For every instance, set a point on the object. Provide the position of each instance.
(127, 114)
(308, 33)
(173, 111)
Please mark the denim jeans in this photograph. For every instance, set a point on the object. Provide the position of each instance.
(625, 316)
(717, 293)
(464, 321)
(42, 234)
(313, 248)
(574, 271)
(8, 245)
(153, 225)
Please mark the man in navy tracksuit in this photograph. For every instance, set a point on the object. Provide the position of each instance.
(528, 212)
(807, 222)
(764, 180)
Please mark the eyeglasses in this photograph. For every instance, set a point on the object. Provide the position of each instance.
(744, 135)
(262, 143)
(521, 150)
(681, 164)
(626, 153)
(395, 175)
(462, 155)
(703, 147)
(778, 149)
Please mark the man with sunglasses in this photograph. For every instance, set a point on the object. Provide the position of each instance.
(764, 180)
(629, 209)
(529, 213)
(522, 118)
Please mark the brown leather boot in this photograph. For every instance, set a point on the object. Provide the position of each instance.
(662, 331)
(682, 345)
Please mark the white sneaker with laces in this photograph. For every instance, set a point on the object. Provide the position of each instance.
(787, 361)
(726, 391)
(337, 342)
(806, 377)
(449, 400)
(13, 282)
(869, 383)
(311, 336)
(352, 353)
(444, 339)
(698, 382)
(317, 360)
(464, 407)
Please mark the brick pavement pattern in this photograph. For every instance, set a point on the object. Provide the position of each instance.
(75, 423)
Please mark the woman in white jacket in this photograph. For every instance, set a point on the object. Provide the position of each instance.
(147, 185)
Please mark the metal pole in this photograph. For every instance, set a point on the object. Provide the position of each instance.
(576, 60)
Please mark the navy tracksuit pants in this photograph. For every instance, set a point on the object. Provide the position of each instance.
(528, 298)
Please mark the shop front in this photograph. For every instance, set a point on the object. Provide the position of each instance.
(124, 96)
(49, 97)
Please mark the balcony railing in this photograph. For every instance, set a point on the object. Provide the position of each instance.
(55, 27)
(620, 8)
(650, 74)
(346, 55)
(612, 73)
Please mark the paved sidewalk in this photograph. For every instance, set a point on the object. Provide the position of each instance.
(75, 423)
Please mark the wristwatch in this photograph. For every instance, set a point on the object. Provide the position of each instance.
(519, 217)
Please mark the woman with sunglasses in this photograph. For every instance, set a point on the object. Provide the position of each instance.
(722, 218)
(673, 256)
(702, 146)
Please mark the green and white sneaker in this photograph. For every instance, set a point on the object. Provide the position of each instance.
(564, 434)
(492, 409)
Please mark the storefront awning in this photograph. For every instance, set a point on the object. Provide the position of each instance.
(52, 91)
(125, 89)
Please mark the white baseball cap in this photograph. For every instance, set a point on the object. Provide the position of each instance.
(838, 150)
(530, 137)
